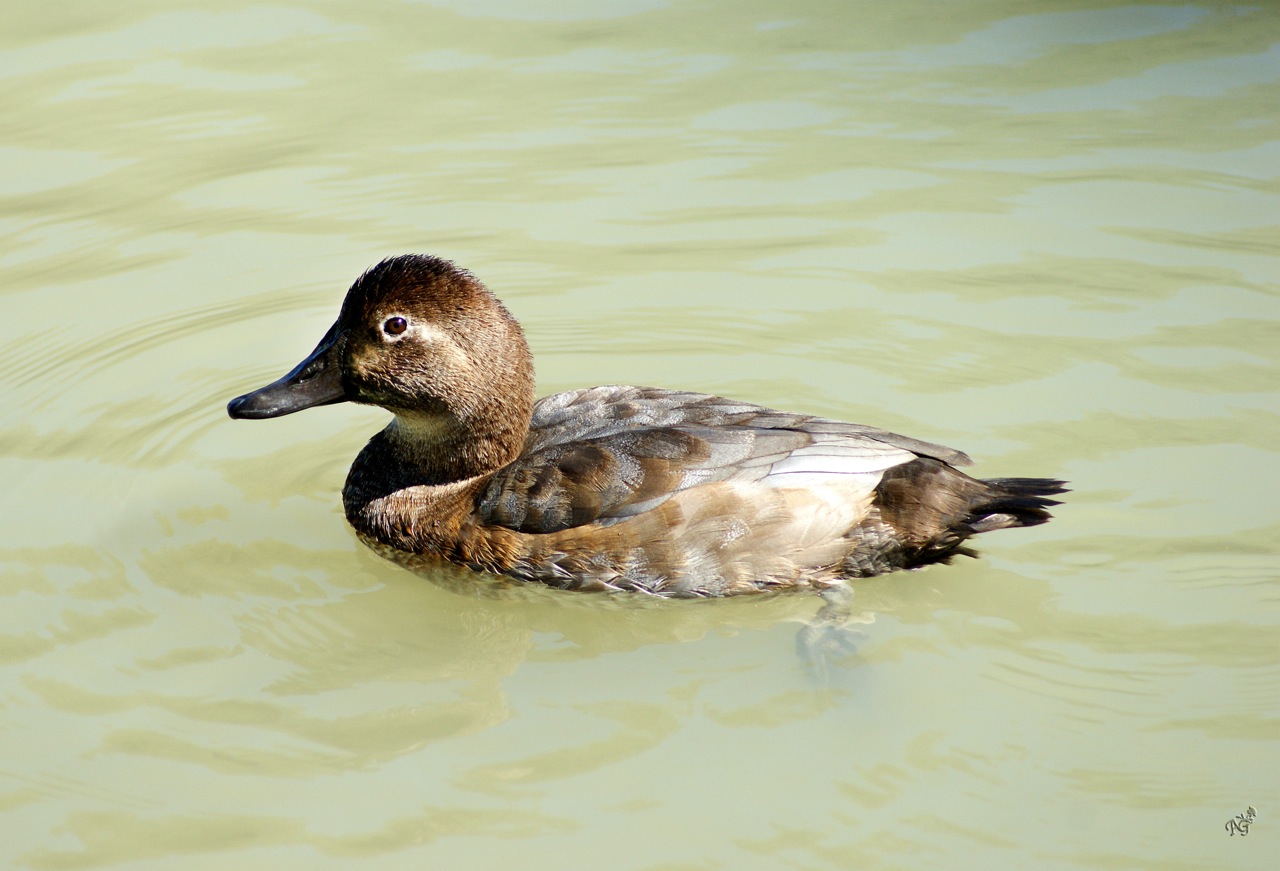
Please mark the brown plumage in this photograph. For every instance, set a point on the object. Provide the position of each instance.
(614, 488)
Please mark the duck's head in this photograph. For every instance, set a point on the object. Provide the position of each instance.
(427, 341)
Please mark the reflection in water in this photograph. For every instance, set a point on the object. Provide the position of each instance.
(1041, 232)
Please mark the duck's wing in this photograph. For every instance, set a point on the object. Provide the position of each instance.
(605, 454)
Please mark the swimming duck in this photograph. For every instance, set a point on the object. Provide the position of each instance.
(614, 488)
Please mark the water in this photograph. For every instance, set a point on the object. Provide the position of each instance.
(1044, 233)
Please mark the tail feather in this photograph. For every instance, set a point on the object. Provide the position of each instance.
(1014, 502)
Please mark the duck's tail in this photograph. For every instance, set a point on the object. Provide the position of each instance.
(1013, 502)
(934, 508)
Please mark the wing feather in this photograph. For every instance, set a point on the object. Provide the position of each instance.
(605, 454)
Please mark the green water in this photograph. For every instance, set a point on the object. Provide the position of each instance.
(1045, 233)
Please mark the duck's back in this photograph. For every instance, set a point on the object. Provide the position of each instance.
(604, 454)
(688, 494)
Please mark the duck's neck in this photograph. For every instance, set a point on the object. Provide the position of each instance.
(443, 448)
(414, 483)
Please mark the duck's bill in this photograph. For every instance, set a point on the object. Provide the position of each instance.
(317, 380)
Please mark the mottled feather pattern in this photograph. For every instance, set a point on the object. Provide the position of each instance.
(697, 493)
(716, 540)
(604, 454)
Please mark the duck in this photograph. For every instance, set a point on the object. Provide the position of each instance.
(615, 488)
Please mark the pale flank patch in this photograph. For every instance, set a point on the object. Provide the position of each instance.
(816, 465)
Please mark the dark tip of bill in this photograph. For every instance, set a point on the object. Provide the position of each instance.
(242, 408)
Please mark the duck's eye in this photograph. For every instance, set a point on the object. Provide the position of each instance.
(395, 326)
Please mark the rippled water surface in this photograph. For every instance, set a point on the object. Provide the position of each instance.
(1042, 232)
